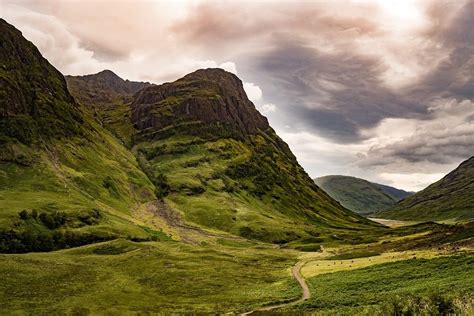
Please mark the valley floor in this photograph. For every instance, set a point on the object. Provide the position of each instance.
(238, 276)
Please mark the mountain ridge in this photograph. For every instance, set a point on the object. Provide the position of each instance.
(207, 176)
(451, 198)
(360, 195)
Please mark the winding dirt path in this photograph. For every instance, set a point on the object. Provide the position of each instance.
(296, 272)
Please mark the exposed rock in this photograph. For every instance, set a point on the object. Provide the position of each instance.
(204, 96)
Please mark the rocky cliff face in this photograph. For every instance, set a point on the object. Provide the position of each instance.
(209, 96)
(34, 100)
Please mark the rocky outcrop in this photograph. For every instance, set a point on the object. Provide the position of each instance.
(204, 96)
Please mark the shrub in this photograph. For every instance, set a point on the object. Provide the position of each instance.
(162, 188)
(34, 214)
(90, 218)
(24, 215)
(53, 220)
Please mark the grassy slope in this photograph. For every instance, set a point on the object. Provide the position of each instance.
(167, 277)
(371, 290)
(205, 193)
(451, 198)
(246, 183)
(356, 194)
(55, 158)
(74, 176)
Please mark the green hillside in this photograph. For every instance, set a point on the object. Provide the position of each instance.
(451, 198)
(131, 198)
(64, 180)
(360, 195)
(201, 156)
(216, 162)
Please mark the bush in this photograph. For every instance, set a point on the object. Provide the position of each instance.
(53, 220)
(162, 188)
(435, 304)
(34, 214)
(90, 218)
(24, 215)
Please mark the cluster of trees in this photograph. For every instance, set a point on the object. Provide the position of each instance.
(57, 219)
(51, 220)
(13, 241)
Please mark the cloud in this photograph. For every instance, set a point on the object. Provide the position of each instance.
(254, 93)
(363, 86)
(445, 139)
(267, 108)
(229, 66)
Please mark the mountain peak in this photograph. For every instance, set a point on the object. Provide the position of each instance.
(103, 87)
(208, 98)
(106, 73)
(211, 74)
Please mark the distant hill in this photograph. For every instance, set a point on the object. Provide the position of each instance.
(451, 198)
(359, 195)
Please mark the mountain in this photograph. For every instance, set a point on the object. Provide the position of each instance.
(451, 198)
(359, 195)
(398, 194)
(215, 160)
(107, 96)
(191, 160)
(64, 180)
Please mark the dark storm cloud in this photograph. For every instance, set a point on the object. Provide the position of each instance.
(454, 77)
(335, 95)
(339, 95)
(439, 147)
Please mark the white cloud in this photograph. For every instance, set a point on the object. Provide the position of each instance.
(229, 66)
(254, 93)
(267, 108)
(413, 181)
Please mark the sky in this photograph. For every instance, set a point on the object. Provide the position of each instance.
(381, 89)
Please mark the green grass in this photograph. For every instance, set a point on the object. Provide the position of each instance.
(356, 194)
(354, 255)
(76, 176)
(125, 277)
(205, 192)
(379, 285)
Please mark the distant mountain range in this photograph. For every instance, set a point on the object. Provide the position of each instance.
(359, 195)
(451, 198)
